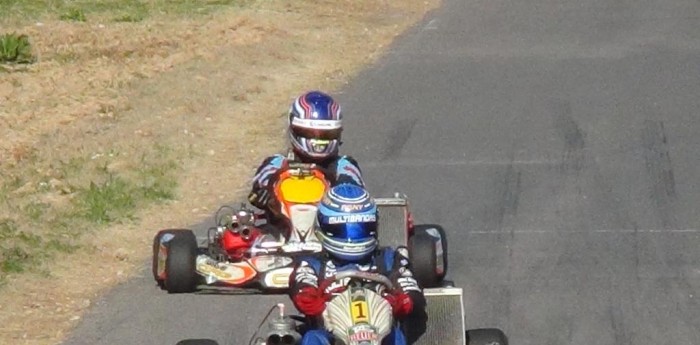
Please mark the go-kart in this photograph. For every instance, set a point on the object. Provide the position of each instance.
(357, 314)
(239, 257)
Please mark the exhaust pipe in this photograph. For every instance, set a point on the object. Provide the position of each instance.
(276, 339)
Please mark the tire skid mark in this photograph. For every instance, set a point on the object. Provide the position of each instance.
(574, 138)
(509, 185)
(657, 161)
(399, 137)
(620, 332)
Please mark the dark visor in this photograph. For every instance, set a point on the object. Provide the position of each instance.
(351, 230)
(315, 133)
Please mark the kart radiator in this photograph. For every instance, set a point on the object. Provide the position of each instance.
(392, 221)
(445, 318)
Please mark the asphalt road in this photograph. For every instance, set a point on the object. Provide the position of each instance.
(557, 143)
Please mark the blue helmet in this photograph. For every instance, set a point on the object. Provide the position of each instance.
(347, 218)
(315, 125)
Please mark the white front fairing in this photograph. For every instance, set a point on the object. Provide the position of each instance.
(302, 236)
(303, 218)
(358, 316)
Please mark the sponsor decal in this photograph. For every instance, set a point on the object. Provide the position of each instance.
(355, 218)
(353, 207)
(230, 273)
(362, 333)
(310, 123)
(278, 278)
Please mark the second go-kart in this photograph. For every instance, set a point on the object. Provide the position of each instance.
(240, 257)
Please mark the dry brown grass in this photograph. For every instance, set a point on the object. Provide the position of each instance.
(211, 90)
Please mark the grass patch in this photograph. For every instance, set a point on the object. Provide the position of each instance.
(94, 197)
(115, 10)
(105, 202)
(73, 14)
(14, 251)
(15, 48)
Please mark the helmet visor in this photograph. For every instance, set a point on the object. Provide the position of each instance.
(316, 133)
(351, 231)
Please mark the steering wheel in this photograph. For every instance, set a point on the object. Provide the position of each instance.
(355, 276)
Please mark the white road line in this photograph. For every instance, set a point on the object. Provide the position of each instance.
(604, 231)
(443, 162)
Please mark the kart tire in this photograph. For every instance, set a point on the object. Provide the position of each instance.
(156, 253)
(181, 276)
(421, 249)
(486, 336)
(197, 342)
(443, 239)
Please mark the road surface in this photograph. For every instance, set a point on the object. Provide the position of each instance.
(556, 141)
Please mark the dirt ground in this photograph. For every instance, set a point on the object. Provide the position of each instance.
(211, 90)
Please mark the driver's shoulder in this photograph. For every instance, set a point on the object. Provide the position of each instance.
(276, 160)
(347, 159)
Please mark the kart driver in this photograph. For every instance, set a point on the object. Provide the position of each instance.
(348, 222)
(315, 125)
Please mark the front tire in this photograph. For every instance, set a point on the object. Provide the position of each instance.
(486, 336)
(181, 276)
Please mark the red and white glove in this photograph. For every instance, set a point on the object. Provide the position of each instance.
(401, 303)
(310, 301)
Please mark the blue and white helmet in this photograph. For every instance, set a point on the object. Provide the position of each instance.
(347, 218)
(315, 125)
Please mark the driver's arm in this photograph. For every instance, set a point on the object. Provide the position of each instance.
(303, 287)
(401, 273)
(259, 193)
(402, 277)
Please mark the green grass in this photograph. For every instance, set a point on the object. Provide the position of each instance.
(38, 232)
(116, 10)
(73, 14)
(15, 48)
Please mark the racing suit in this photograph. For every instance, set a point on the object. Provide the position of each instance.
(392, 263)
(339, 169)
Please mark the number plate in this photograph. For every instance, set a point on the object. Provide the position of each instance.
(359, 312)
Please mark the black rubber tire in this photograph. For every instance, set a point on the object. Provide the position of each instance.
(486, 336)
(197, 342)
(443, 237)
(421, 251)
(181, 276)
(156, 245)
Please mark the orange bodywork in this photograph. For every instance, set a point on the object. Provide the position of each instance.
(294, 189)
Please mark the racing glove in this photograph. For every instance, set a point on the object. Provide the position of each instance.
(401, 303)
(311, 301)
(259, 197)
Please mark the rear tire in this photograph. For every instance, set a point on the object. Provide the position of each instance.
(156, 252)
(486, 336)
(421, 249)
(181, 276)
(436, 230)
